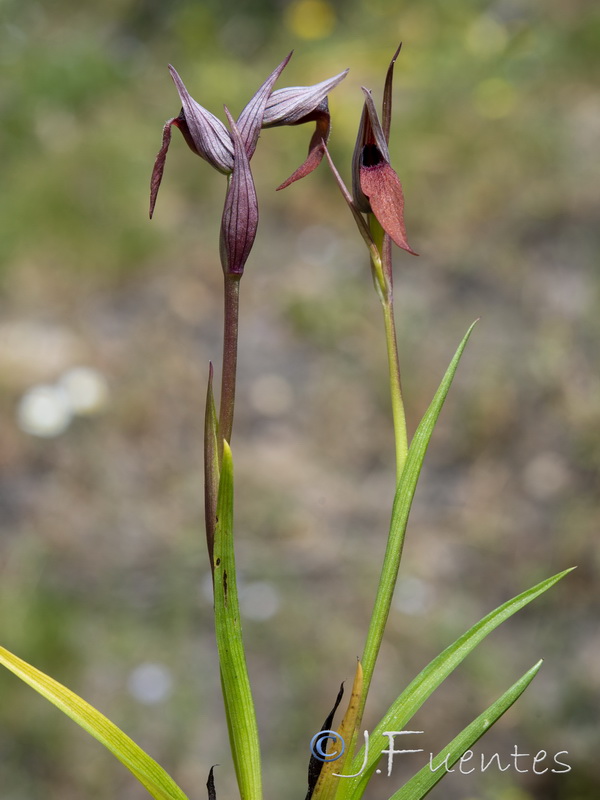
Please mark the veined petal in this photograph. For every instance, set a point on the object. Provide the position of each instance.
(377, 135)
(240, 214)
(317, 145)
(295, 105)
(383, 189)
(211, 138)
(250, 120)
(386, 109)
(291, 106)
(364, 139)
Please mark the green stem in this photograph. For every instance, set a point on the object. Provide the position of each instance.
(399, 416)
(230, 348)
(382, 273)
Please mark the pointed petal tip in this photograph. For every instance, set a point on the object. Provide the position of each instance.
(313, 160)
(159, 164)
(396, 54)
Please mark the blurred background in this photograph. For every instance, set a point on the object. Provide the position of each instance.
(107, 323)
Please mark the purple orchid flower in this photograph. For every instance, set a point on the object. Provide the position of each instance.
(230, 152)
(376, 187)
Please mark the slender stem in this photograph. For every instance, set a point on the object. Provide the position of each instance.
(391, 560)
(398, 414)
(382, 273)
(393, 552)
(230, 347)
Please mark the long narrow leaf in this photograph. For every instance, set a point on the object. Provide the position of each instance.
(422, 783)
(150, 774)
(401, 509)
(237, 695)
(412, 698)
(211, 466)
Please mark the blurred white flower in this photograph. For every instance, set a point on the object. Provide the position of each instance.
(47, 410)
(44, 411)
(86, 388)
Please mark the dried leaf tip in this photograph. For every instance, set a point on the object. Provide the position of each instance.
(210, 784)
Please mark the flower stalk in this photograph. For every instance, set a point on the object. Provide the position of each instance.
(229, 151)
(231, 306)
(377, 205)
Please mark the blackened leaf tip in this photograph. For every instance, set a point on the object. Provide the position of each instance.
(210, 784)
(315, 765)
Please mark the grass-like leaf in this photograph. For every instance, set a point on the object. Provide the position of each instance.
(150, 774)
(413, 697)
(237, 695)
(422, 783)
(401, 509)
(211, 465)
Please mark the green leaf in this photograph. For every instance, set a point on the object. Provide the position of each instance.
(412, 698)
(211, 466)
(422, 783)
(239, 706)
(150, 774)
(401, 509)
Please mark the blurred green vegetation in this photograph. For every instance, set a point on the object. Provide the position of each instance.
(495, 136)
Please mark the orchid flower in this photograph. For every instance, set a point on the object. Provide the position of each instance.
(377, 205)
(230, 151)
(376, 188)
